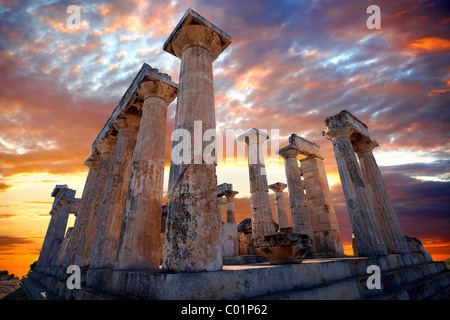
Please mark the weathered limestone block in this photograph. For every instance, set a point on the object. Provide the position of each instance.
(140, 240)
(327, 237)
(245, 236)
(107, 236)
(285, 248)
(262, 221)
(192, 229)
(87, 233)
(394, 238)
(280, 205)
(366, 228)
(230, 239)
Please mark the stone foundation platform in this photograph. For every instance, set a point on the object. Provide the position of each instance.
(403, 276)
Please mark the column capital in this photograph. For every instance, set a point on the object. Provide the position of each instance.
(129, 122)
(253, 136)
(194, 30)
(92, 161)
(365, 144)
(106, 145)
(157, 88)
(289, 151)
(278, 186)
(230, 193)
(344, 124)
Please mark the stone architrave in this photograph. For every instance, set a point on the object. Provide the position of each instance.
(366, 228)
(192, 230)
(92, 163)
(300, 209)
(262, 220)
(280, 204)
(327, 238)
(104, 249)
(62, 205)
(394, 238)
(87, 233)
(140, 238)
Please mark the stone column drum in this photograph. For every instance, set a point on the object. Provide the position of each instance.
(230, 194)
(92, 163)
(280, 204)
(140, 239)
(58, 223)
(192, 227)
(300, 210)
(107, 235)
(87, 233)
(366, 228)
(262, 220)
(394, 238)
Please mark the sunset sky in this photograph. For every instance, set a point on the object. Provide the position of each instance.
(291, 64)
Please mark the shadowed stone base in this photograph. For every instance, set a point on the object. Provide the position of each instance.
(283, 248)
(403, 276)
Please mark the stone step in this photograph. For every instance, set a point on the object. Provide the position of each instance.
(418, 282)
(35, 291)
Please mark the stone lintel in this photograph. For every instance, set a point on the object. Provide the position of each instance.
(253, 136)
(131, 102)
(345, 121)
(305, 147)
(193, 18)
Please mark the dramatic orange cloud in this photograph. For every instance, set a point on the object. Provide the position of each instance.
(431, 44)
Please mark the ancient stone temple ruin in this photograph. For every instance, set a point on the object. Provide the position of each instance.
(125, 243)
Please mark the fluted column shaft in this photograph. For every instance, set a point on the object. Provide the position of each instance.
(231, 216)
(394, 238)
(87, 234)
(140, 241)
(300, 210)
(262, 220)
(366, 228)
(55, 230)
(72, 247)
(107, 235)
(192, 227)
(280, 205)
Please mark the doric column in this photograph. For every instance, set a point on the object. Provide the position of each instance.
(140, 240)
(262, 220)
(104, 249)
(366, 228)
(230, 194)
(394, 238)
(92, 163)
(83, 255)
(192, 229)
(58, 223)
(280, 205)
(300, 210)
